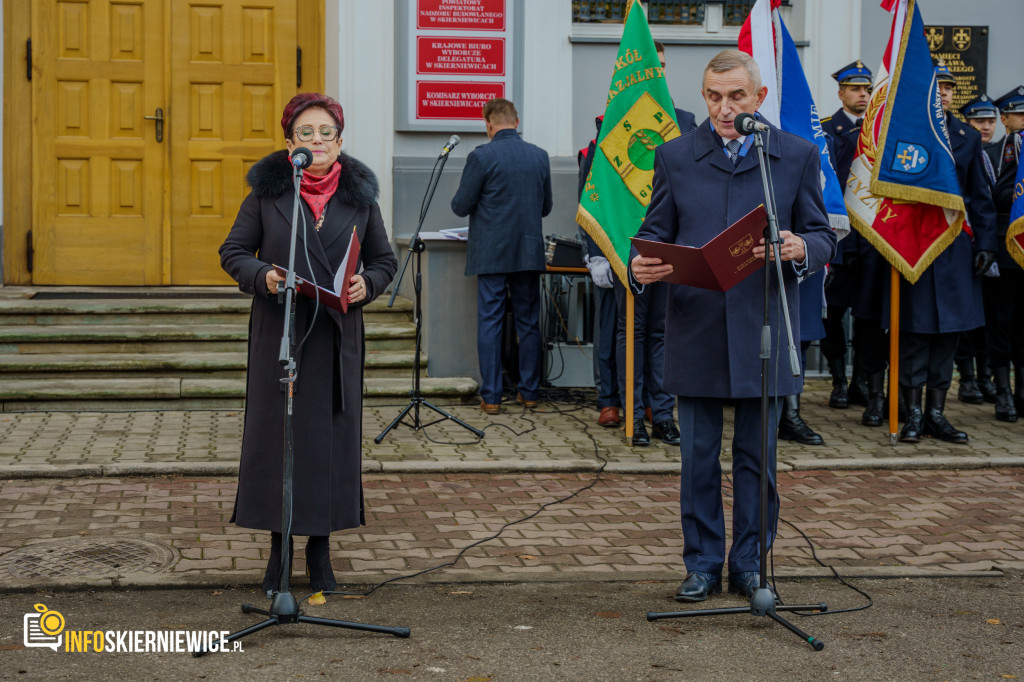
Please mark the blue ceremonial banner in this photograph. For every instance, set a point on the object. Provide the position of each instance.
(916, 161)
(799, 116)
(1015, 232)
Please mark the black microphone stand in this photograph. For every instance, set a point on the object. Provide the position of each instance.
(762, 603)
(284, 609)
(416, 246)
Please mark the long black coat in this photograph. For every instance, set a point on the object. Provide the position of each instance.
(712, 339)
(328, 493)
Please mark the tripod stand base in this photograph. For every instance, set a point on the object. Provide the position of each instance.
(417, 424)
(284, 610)
(763, 604)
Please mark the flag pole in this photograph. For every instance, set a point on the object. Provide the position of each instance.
(894, 352)
(630, 327)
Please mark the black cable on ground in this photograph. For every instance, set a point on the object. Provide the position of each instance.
(579, 405)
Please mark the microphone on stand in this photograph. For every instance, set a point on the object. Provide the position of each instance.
(301, 158)
(747, 123)
(449, 146)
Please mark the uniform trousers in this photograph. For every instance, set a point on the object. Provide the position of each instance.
(927, 359)
(1004, 316)
(649, 310)
(524, 292)
(833, 346)
(607, 349)
(872, 344)
(700, 485)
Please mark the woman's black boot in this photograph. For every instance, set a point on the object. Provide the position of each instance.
(272, 578)
(318, 562)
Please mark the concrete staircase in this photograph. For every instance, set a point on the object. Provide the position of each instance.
(64, 349)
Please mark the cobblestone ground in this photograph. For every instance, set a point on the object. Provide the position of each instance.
(551, 437)
(624, 527)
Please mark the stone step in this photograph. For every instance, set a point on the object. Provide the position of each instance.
(134, 311)
(77, 339)
(174, 393)
(190, 365)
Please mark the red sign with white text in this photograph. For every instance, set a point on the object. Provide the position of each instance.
(460, 15)
(460, 56)
(453, 100)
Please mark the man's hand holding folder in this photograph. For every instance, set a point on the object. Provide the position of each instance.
(720, 264)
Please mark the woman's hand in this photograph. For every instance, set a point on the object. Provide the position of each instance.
(356, 289)
(272, 280)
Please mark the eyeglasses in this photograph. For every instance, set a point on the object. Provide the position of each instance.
(327, 133)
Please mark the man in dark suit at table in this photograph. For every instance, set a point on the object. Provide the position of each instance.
(505, 190)
(703, 182)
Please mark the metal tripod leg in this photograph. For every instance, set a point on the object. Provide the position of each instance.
(446, 415)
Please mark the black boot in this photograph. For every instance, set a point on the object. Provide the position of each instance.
(875, 412)
(839, 398)
(985, 385)
(858, 393)
(935, 423)
(1006, 411)
(969, 392)
(272, 578)
(318, 563)
(792, 427)
(913, 428)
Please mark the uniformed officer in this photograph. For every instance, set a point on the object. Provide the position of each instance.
(841, 285)
(946, 300)
(972, 360)
(1006, 307)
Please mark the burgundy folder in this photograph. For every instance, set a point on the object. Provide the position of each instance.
(337, 299)
(719, 265)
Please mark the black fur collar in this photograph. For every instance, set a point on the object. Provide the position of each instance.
(272, 177)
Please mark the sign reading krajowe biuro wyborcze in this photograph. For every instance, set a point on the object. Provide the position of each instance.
(964, 49)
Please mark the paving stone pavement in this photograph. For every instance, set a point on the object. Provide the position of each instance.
(550, 438)
(865, 522)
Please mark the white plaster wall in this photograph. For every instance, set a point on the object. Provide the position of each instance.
(547, 76)
(833, 29)
(360, 74)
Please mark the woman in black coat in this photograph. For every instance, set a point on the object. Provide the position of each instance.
(338, 195)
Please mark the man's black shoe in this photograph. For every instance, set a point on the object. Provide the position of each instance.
(666, 430)
(698, 586)
(793, 427)
(746, 583)
(640, 436)
(857, 394)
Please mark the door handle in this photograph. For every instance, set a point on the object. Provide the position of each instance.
(159, 118)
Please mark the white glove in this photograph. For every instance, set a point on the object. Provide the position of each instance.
(600, 271)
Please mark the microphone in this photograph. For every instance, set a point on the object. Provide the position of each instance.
(746, 124)
(450, 145)
(301, 157)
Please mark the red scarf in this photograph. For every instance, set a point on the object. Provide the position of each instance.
(317, 190)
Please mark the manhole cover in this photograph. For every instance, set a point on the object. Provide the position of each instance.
(108, 557)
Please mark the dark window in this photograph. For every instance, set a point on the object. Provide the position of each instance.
(677, 12)
(674, 12)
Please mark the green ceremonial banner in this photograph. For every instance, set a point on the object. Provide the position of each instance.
(638, 117)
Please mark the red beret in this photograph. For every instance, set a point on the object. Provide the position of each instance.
(305, 100)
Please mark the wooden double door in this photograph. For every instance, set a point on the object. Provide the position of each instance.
(146, 116)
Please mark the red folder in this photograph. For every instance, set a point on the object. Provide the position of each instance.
(719, 265)
(337, 299)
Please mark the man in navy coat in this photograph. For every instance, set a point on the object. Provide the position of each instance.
(505, 190)
(703, 182)
(946, 299)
